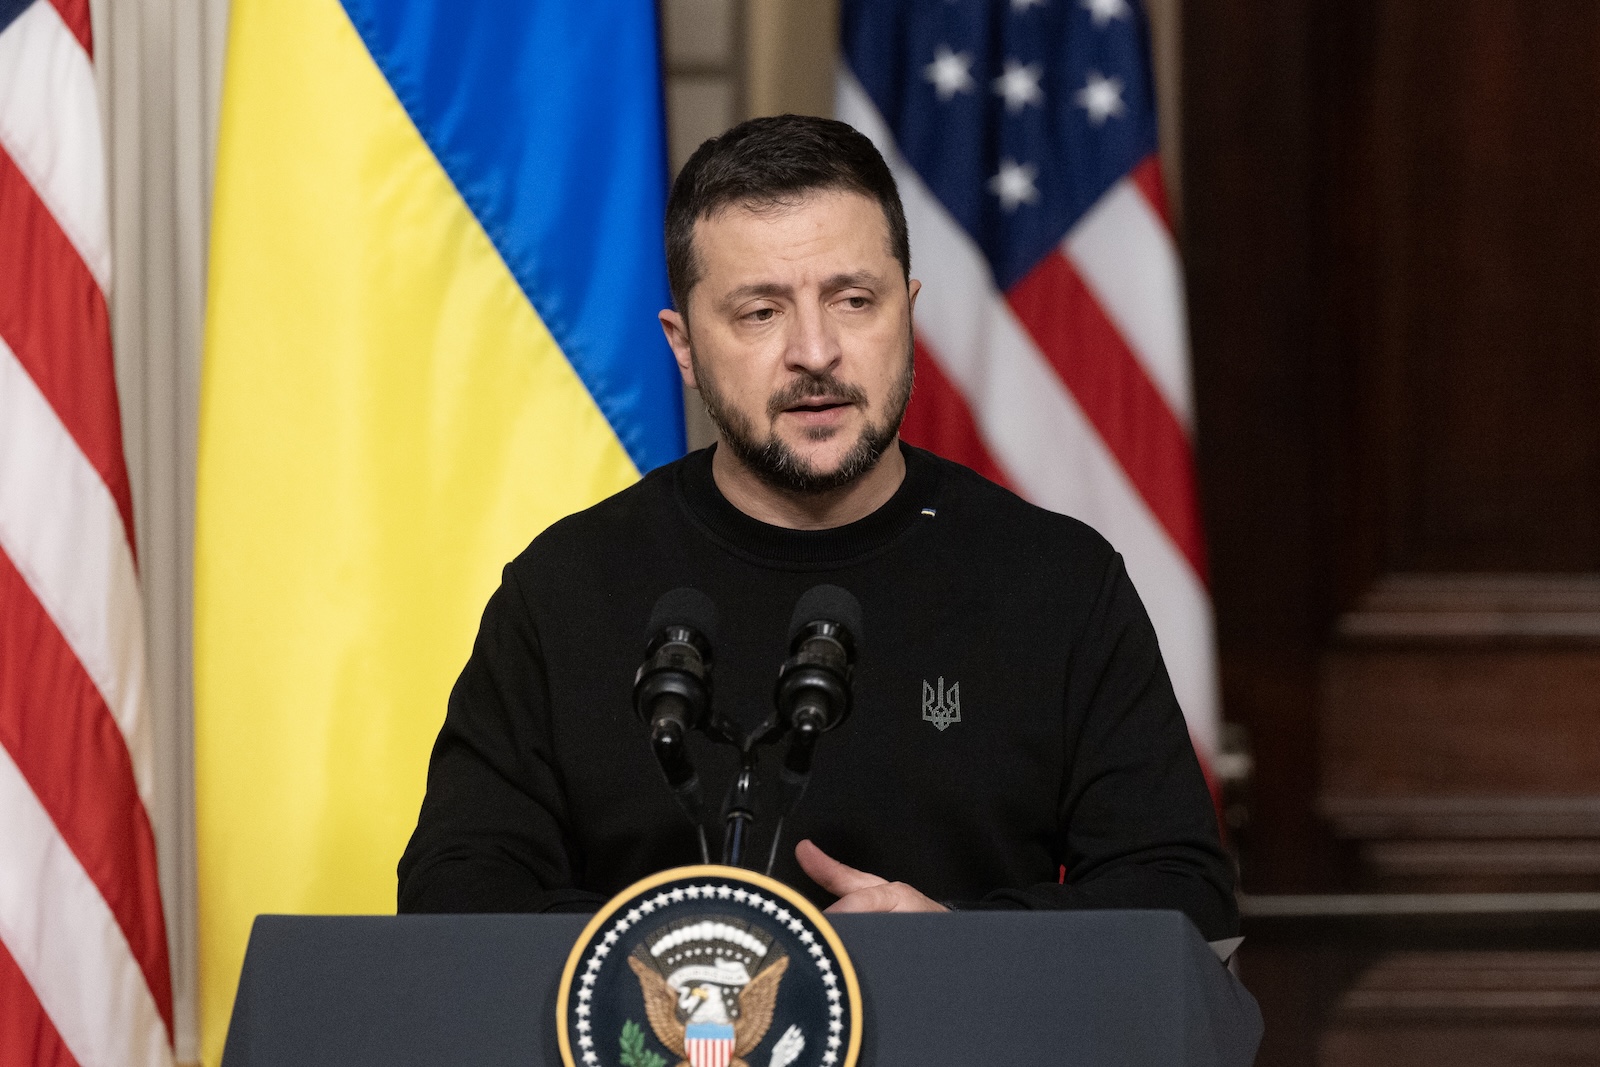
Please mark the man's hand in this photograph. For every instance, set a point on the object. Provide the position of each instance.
(858, 890)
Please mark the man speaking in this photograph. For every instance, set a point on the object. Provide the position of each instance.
(1015, 741)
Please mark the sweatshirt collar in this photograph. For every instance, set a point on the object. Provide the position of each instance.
(777, 544)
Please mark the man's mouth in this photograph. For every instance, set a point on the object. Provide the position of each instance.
(818, 403)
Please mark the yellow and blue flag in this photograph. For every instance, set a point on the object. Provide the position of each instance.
(436, 263)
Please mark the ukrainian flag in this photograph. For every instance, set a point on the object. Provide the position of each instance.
(436, 264)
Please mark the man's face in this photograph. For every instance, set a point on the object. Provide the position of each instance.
(801, 343)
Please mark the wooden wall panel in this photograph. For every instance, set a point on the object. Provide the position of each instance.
(1464, 257)
(1259, 384)
(1392, 246)
(1469, 1009)
(1393, 250)
(1462, 152)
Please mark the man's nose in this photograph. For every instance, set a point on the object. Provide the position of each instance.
(813, 344)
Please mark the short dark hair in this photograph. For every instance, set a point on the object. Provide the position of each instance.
(769, 162)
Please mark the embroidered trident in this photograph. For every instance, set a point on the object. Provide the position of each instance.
(942, 706)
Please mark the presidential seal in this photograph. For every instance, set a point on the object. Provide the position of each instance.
(708, 967)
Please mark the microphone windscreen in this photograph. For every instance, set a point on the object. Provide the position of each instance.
(827, 603)
(684, 607)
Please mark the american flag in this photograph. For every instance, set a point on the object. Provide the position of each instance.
(1052, 350)
(83, 947)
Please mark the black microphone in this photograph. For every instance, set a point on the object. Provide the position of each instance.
(672, 690)
(813, 692)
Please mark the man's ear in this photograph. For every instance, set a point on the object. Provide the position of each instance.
(916, 287)
(676, 327)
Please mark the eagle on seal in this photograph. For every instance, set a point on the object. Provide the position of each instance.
(664, 1005)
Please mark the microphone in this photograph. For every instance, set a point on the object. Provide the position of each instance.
(813, 693)
(672, 690)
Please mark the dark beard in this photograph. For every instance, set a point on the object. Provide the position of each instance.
(774, 462)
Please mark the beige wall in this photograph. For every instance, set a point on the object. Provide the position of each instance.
(792, 48)
(160, 65)
(705, 57)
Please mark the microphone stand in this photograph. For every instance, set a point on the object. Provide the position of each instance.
(741, 812)
(794, 777)
(740, 807)
(672, 752)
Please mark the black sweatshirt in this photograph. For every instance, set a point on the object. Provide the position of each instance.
(1070, 751)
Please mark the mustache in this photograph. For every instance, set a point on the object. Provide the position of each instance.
(824, 385)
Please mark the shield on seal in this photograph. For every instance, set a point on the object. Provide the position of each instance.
(708, 1044)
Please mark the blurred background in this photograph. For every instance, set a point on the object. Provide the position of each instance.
(1388, 213)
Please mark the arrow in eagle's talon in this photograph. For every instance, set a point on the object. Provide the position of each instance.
(788, 1048)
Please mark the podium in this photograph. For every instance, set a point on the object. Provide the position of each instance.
(957, 990)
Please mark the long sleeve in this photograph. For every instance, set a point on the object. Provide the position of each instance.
(542, 792)
(1136, 821)
(494, 833)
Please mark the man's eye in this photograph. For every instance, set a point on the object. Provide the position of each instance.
(857, 301)
(760, 315)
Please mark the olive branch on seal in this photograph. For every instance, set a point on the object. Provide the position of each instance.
(634, 1054)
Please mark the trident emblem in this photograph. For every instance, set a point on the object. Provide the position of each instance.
(942, 706)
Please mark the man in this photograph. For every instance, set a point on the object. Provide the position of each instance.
(1068, 780)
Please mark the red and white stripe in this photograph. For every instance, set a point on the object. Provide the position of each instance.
(84, 975)
(1073, 389)
(708, 1052)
